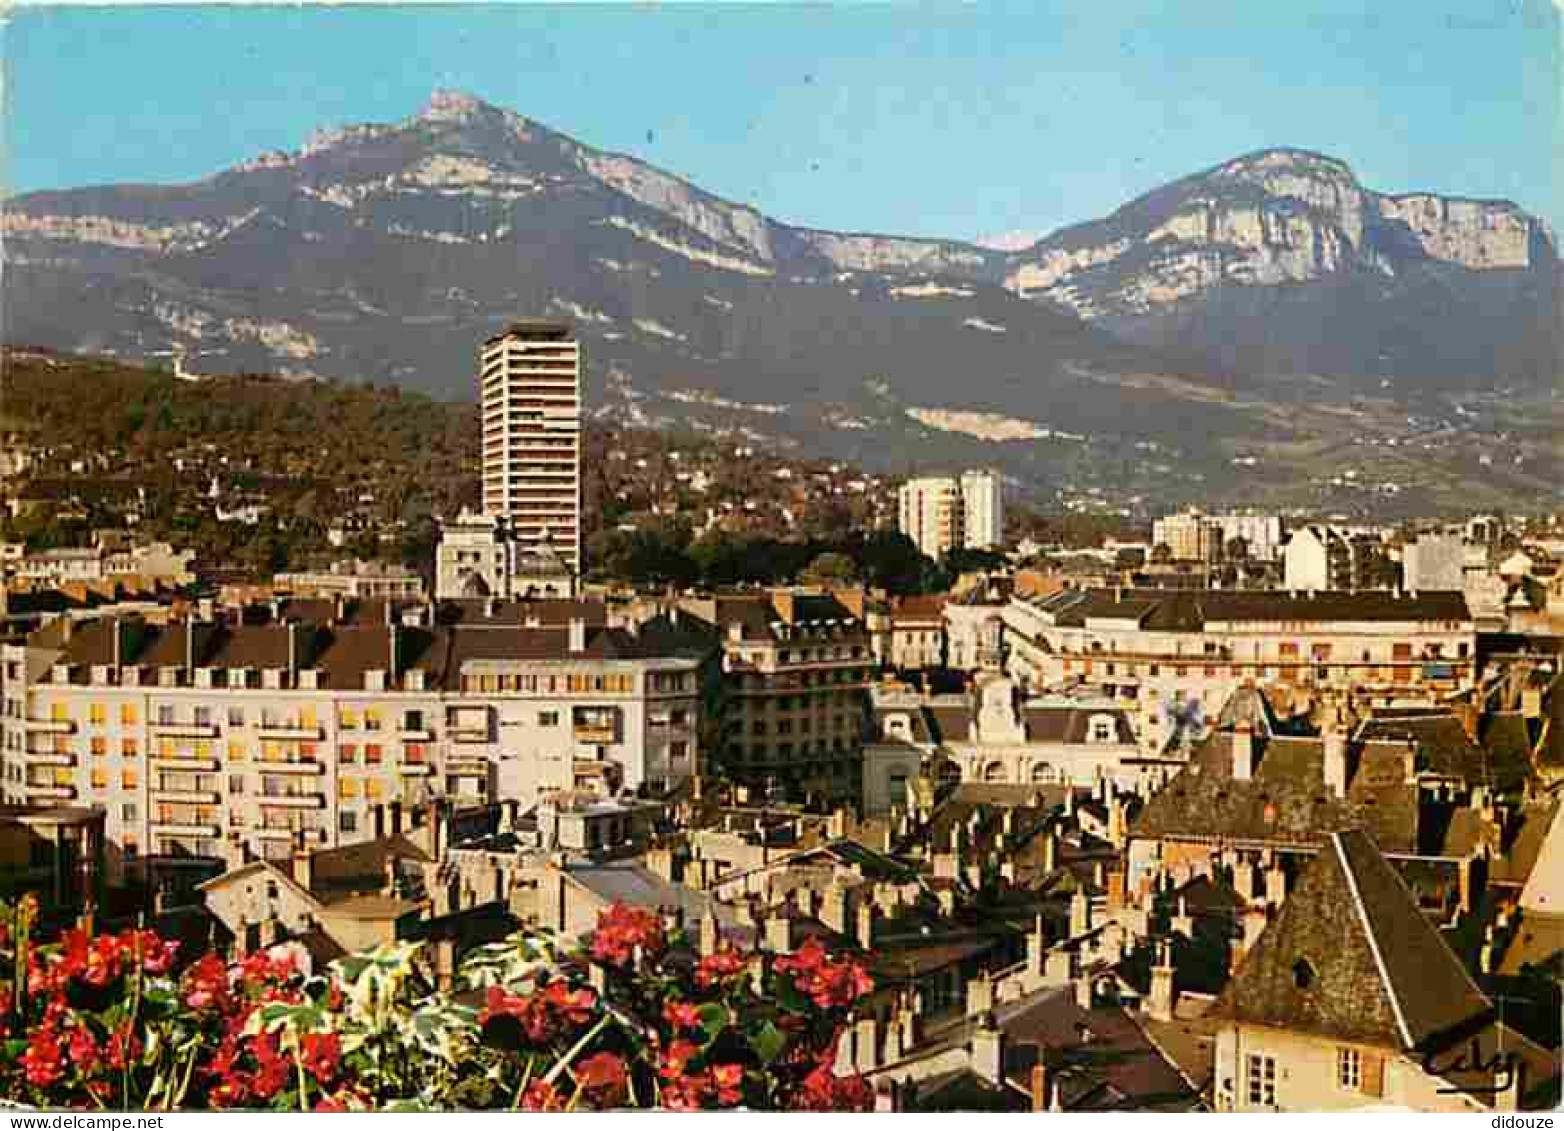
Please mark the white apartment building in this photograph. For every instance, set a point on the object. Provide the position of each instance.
(199, 735)
(943, 513)
(1434, 561)
(530, 395)
(982, 510)
(1160, 650)
(478, 556)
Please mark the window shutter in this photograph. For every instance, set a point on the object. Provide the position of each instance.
(1373, 1074)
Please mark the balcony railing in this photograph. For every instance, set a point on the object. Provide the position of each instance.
(51, 726)
(174, 762)
(295, 766)
(169, 828)
(186, 796)
(48, 758)
(595, 734)
(292, 800)
(185, 730)
(51, 790)
(291, 731)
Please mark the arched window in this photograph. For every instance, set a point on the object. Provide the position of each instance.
(994, 772)
(1042, 773)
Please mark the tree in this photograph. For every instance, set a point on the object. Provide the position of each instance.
(830, 568)
(1162, 553)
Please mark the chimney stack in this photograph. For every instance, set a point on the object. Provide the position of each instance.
(1080, 915)
(303, 863)
(1335, 760)
(1243, 752)
(577, 635)
(1163, 991)
(988, 1049)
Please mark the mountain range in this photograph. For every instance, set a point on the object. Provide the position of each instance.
(1268, 327)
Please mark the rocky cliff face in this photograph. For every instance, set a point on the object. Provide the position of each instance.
(1280, 216)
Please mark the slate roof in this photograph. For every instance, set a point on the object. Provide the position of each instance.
(1285, 801)
(1351, 956)
(1445, 749)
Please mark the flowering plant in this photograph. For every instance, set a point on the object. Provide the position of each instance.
(119, 1021)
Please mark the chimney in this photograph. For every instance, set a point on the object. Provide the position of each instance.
(1409, 761)
(303, 864)
(867, 913)
(293, 649)
(189, 643)
(833, 909)
(1244, 881)
(444, 964)
(1041, 1078)
(1036, 947)
(1082, 986)
(867, 1029)
(1335, 760)
(1164, 994)
(1275, 884)
(392, 631)
(1051, 851)
(779, 934)
(396, 818)
(1080, 915)
(988, 1049)
(1243, 752)
(1182, 923)
(577, 635)
(710, 936)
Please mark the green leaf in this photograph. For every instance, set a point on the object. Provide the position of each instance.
(715, 1017)
(769, 1042)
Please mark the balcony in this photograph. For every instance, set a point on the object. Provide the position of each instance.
(299, 766)
(289, 732)
(469, 732)
(51, 726)
(48, 758)
(415, 735)
(466, 765)
(418, 769)
(184, 730)
(191, 764)
(318, 835)
(595, 734)
(186, 796)
(50, 790)
(163, 828)
(291, 801)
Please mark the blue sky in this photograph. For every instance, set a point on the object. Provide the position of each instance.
(938, 119)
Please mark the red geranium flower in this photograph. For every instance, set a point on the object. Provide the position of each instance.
(621, 930)
(603, 1076)
(321, 1053)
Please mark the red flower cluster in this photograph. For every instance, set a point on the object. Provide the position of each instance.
(604, 1078)
(830, 983)
(98, 961)
(621, 930)
(550, 1013)
(824, 1090)
(720, 968)
(682, 1089)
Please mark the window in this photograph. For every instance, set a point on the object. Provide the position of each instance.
(59, 712)
(349, 719)
(1349, 1069)
(347, 788)
(129, 779)
(100, 746)
(372, 754)
(373, 789)
(1261, 1080)
(347, 752)
(97, 714)
(165, 715)
(236, 716)
(235, 783)
(203, 716)
(100, 779)
(347, 822)
(548, 718)
(128, 748)
(372, 719)
(236, 751)
(127, 714)
(127, 813)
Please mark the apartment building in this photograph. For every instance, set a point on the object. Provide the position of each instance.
(944, 513)
(795, 671)
(1190, 536)
(1324, 557)
(530, 395)
(353, 578)
(1159, 650)
(302, 717)
(479, 556)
